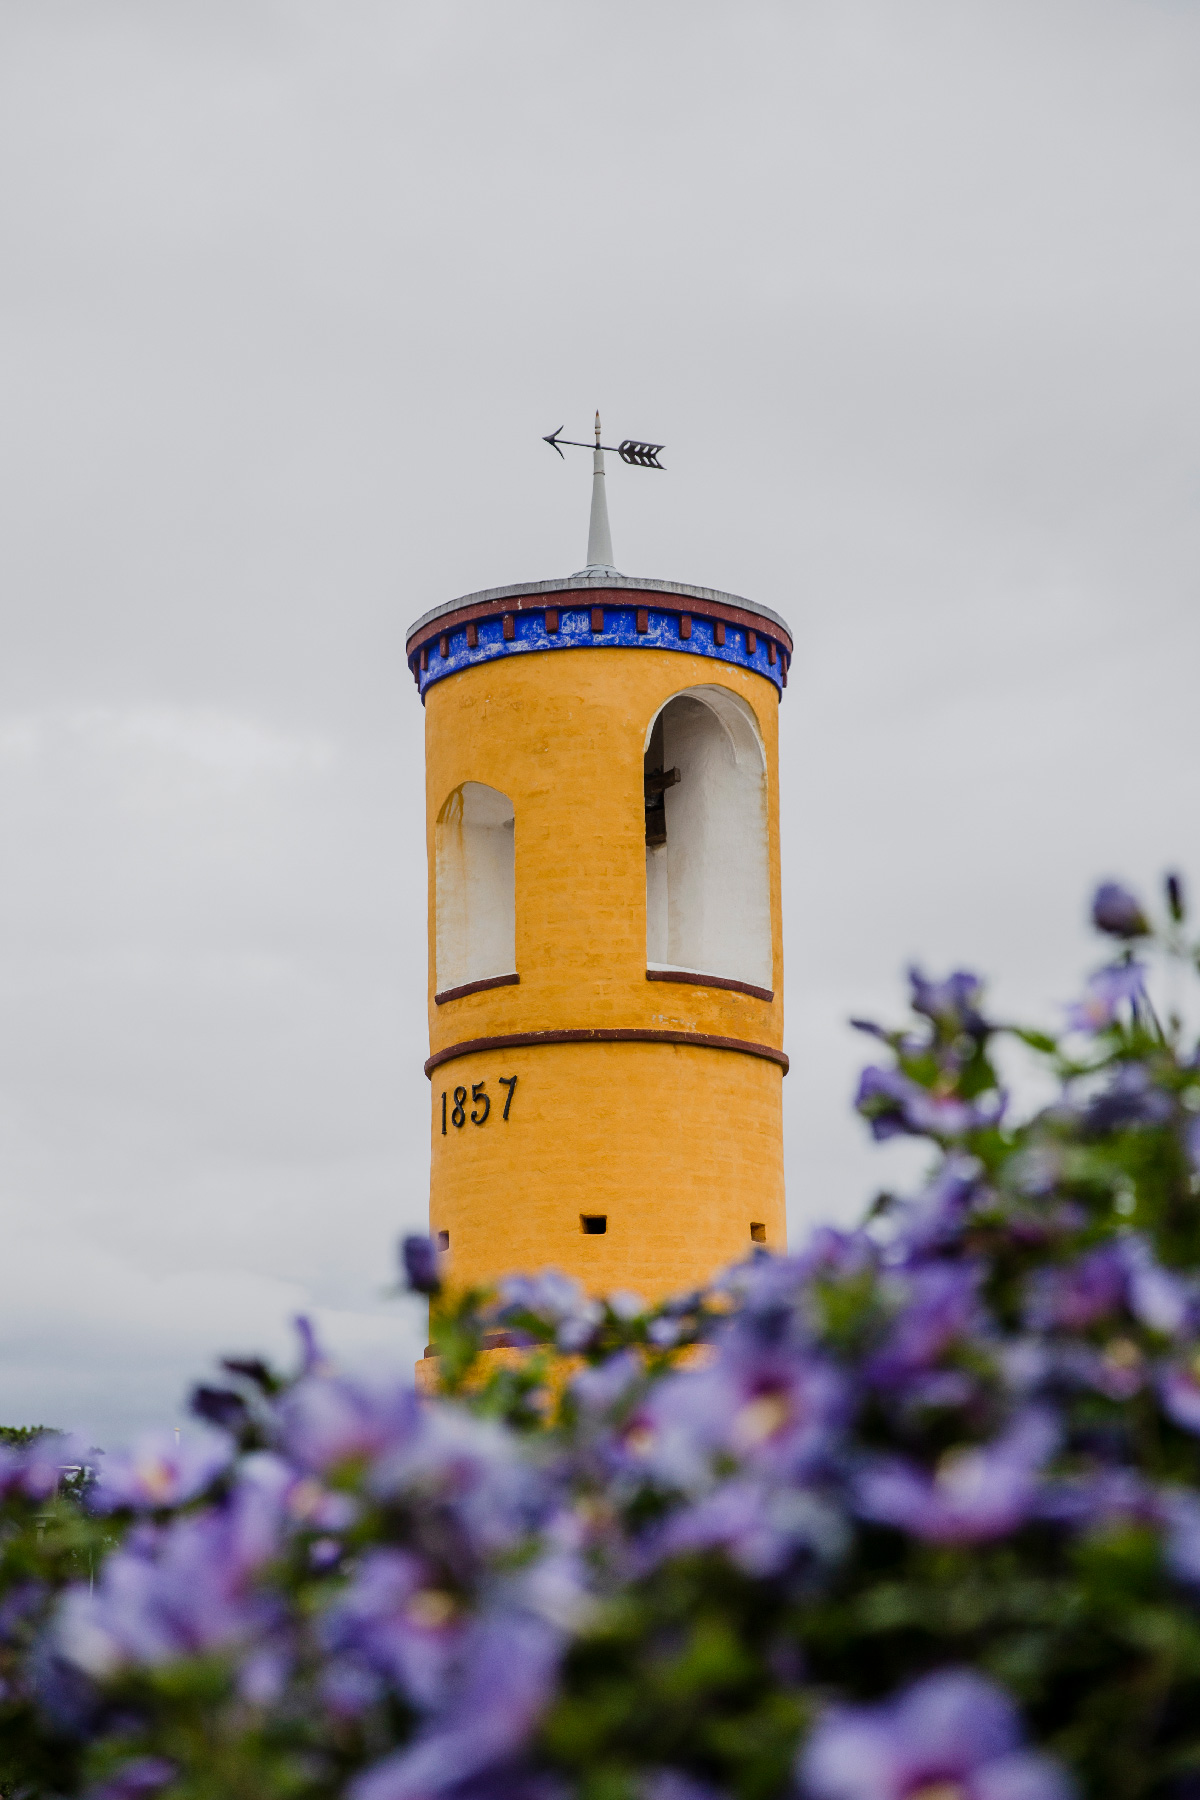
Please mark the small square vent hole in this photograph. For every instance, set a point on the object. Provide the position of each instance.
(758, 1232)
(443, 1240)
(593, 1224)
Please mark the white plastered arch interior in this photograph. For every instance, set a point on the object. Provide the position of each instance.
(708, 886)
(475, 886)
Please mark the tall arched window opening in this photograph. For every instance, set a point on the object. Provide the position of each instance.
(475, 887)
(708, 887)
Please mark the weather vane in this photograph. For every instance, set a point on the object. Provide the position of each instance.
(630, 450)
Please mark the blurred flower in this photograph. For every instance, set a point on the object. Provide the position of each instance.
(1100, 1497)
(556, 1301)
(1176, 902)
(953, 1004)
(776, 1410)
(1179, 1392)
(976, 1492)
(935, 1217)
(1073, 1296)
(1118, 912)
(1106, 990)
(468, 1478)
(671, 1784)
(135, 1780)
(1181, 1511)
(940, 1308)
(602, 1386)
(1131, 1098)
(504, 1682)
(761, 1527)
(395, 1617)
(158, 1472)
(419, 1257)
(182, 1588)
(894, 1104)
(328, 1421)
(950, 1736)
(36, 1469)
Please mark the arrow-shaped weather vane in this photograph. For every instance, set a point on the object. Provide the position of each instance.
(630, 450)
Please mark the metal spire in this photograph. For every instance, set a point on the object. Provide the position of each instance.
(630, 450)
(600, 553)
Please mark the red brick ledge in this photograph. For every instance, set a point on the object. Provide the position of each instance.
(711, 981)
(611, 599)
(520, 1040)
(475, 987)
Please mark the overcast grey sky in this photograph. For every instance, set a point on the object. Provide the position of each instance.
(289, 293)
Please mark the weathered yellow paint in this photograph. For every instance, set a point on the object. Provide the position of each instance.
(681, 1146)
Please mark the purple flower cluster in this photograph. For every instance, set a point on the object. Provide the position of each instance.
(952, 1736)
(814, 1491)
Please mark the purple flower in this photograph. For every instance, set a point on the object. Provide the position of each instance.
(1101, 1498)
(976, 1492)
(775, 1410)
(1191, 1140)
(953, 1003)
(935, 1217)
(1131, 1098)
(329, 1422)
(505, 1681)
(599, 1388)
(135, 1780)
(952, 1735)
(184, 1588)
(396, 1618)
(35, 1469)
(1118, 912)
(1074, 1296)
(894, 1104)
(419, 1257)
(1106, 990)
(1158, 1299)
(467, 1474)
(1181, 1510)
(557, 1301)
(760, 1527)
(773, 1295)
(1179, 1392)
(671, 1784)
(158, 1472)
(941, 1308)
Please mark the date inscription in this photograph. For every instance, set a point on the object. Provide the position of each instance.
(458, 1106)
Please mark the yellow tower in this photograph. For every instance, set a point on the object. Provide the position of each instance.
(605, 958)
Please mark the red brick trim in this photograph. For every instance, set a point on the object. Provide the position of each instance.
(475, 987)
(587, 599)
(520, 1040)
(711, 981)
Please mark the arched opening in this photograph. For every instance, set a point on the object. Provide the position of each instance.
(708, 888)
(475, 887)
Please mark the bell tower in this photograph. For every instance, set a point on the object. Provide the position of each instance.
(605, 960)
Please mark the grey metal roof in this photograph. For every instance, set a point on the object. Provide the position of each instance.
(584, 583)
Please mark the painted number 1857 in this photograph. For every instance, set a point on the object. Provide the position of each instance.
(454, 1105)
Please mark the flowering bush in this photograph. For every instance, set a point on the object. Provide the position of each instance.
(911, 1515)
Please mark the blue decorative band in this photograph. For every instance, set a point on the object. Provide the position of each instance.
(466, 642)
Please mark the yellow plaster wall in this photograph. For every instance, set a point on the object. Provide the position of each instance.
(681, 1146)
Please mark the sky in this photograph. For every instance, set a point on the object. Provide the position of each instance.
(291, 290)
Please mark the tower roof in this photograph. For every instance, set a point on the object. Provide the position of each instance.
(598, 610)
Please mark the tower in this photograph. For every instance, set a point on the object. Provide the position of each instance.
(605, 959)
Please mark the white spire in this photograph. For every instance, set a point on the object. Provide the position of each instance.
(600, 554)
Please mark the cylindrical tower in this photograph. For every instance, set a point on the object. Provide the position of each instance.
(605, 959)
